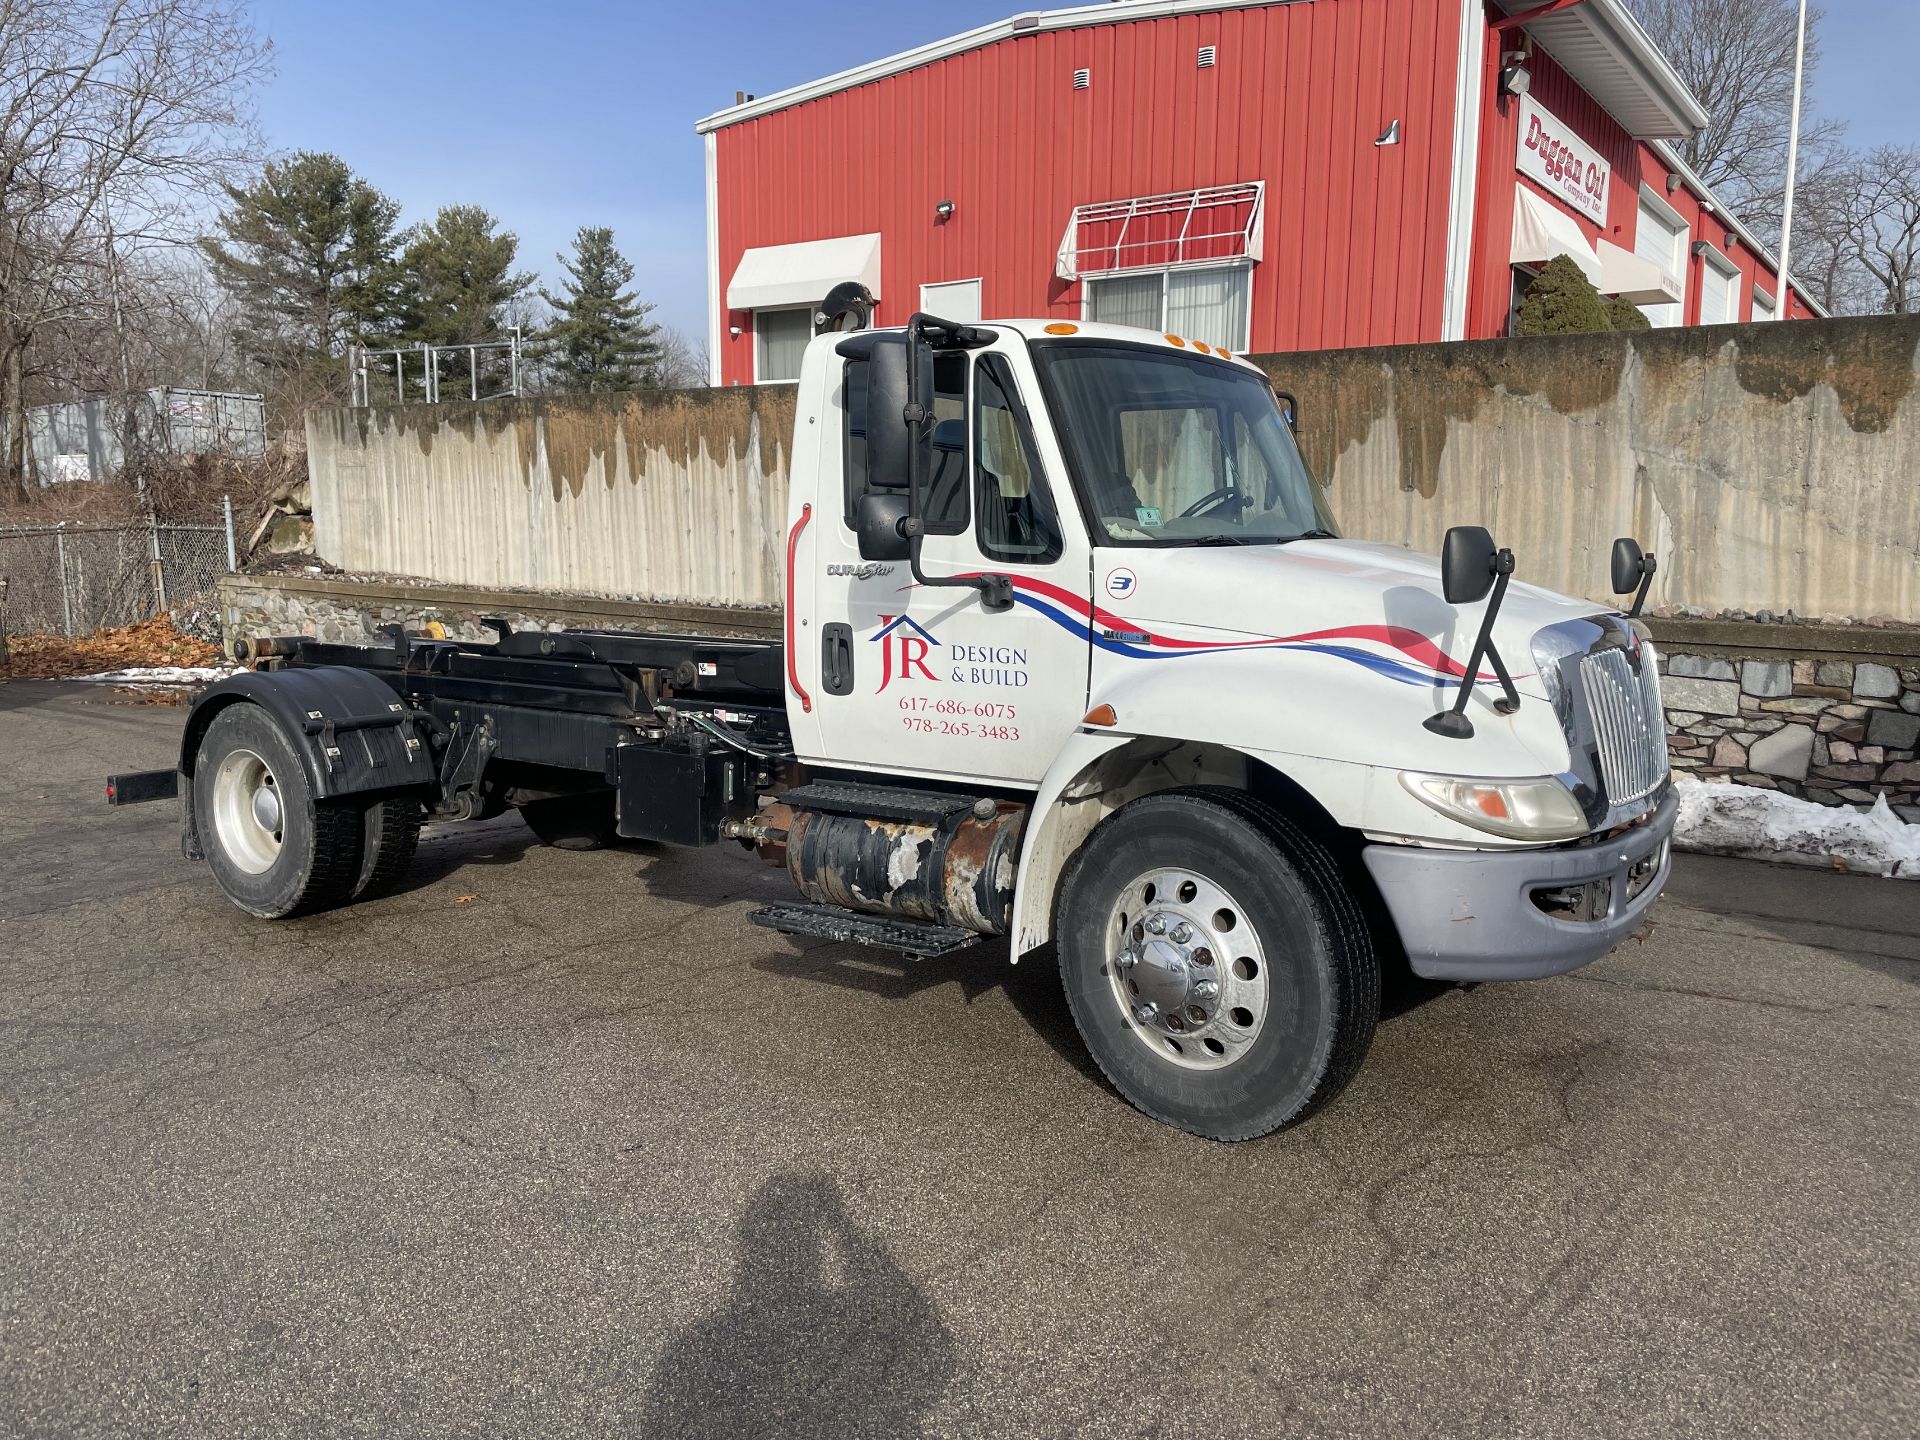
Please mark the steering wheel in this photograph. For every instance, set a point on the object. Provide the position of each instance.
(1227, 495)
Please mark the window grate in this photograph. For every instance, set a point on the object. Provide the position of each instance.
(1082, 79)
(1187, 227)
(1209, 55)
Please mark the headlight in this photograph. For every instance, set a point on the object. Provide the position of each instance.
(1542, 809)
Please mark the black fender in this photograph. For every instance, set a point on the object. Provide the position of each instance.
(351, 730)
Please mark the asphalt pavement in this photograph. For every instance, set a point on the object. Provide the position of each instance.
(559, 1144)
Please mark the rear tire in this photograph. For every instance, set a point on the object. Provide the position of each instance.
(389, 836)
(274, 849)
(574, 822)
(1219, 971)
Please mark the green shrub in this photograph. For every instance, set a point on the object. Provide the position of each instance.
(1561, 301)
(1626, 315)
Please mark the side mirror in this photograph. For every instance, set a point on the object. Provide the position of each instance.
(1289, 410)
(879, 525)
(1632, 572)
(1467, 564)
(891, 437)
(1628, 565)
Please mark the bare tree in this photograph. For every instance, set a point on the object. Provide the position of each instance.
(1737, 58)
(683, 361)
(116, 118)
(1877, 216)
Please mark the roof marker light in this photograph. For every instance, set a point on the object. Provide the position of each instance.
(1061, 327)
(1175, 340)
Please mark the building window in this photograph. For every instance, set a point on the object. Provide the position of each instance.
(1719, 289)
(779, 340)
(1210, 303)
(952, 300)
(1765, 307)
(1661, 239)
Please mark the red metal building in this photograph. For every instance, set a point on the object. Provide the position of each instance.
(1268, 175)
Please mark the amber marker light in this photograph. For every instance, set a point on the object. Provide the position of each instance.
(1061, 327)
(1101, 715)
(1176, 340)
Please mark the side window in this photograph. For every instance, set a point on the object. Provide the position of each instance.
(946, 498)
(853, 401)
(1017, 519)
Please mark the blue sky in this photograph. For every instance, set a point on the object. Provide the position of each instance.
(567, 113)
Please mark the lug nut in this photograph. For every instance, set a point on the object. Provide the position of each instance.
(1196, 1014)
(1181, 933)
(1205, 989)
(1174, 1023)
(1128, 960)
(1143, 1014)
(1156, 925)
(1202, 956)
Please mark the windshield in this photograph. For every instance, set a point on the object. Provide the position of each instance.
(1172, 449)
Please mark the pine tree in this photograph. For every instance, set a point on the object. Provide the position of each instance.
(457, 278)
(600, 338)
(307, 252)
(1561, 301)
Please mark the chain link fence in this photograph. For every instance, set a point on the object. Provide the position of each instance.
(73, 579)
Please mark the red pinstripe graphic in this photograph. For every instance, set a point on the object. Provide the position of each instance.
(1410, 643)
(793, 672)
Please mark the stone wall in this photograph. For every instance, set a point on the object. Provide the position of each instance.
(352, 612)
(1830, 714)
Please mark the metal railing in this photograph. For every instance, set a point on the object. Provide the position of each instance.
(368, 370)
(73, 579)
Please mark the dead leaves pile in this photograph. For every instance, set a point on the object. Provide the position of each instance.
(151, 642)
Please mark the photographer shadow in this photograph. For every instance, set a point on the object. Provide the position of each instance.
(822, 1333)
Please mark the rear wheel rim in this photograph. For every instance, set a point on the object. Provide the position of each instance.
(249, 814)
(1186, 969)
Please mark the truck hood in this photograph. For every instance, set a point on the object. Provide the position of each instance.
(1371, 601)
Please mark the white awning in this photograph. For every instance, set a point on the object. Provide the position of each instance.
(1637, 281)
(1542, 230)
(803, 273)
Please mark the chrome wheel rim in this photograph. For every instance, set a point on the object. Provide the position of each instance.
(248, 815)
(1186, 969)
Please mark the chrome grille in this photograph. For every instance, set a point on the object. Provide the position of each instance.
(1628, 726)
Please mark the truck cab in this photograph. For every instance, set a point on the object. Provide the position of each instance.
(1074, 653)
(1183, 610)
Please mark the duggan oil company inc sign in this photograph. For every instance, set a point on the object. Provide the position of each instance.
(1561, 162)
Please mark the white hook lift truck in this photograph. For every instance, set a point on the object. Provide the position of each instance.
(1073, 654)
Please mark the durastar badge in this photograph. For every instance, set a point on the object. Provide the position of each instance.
(868, 570)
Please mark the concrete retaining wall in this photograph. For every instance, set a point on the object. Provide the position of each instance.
(1771, 467)
(681, 496)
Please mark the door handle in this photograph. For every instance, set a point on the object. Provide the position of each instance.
(836, 659)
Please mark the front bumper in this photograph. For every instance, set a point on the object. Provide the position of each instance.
(1470, 914)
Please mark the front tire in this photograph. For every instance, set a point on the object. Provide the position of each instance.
(1218, 970)
(274, 849)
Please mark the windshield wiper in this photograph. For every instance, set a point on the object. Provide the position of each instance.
(1308, 535)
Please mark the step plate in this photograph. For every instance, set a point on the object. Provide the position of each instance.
(879, 802)
(830, 922)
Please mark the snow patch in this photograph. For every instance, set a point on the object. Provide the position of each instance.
(159, 675)
(1757, 824)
